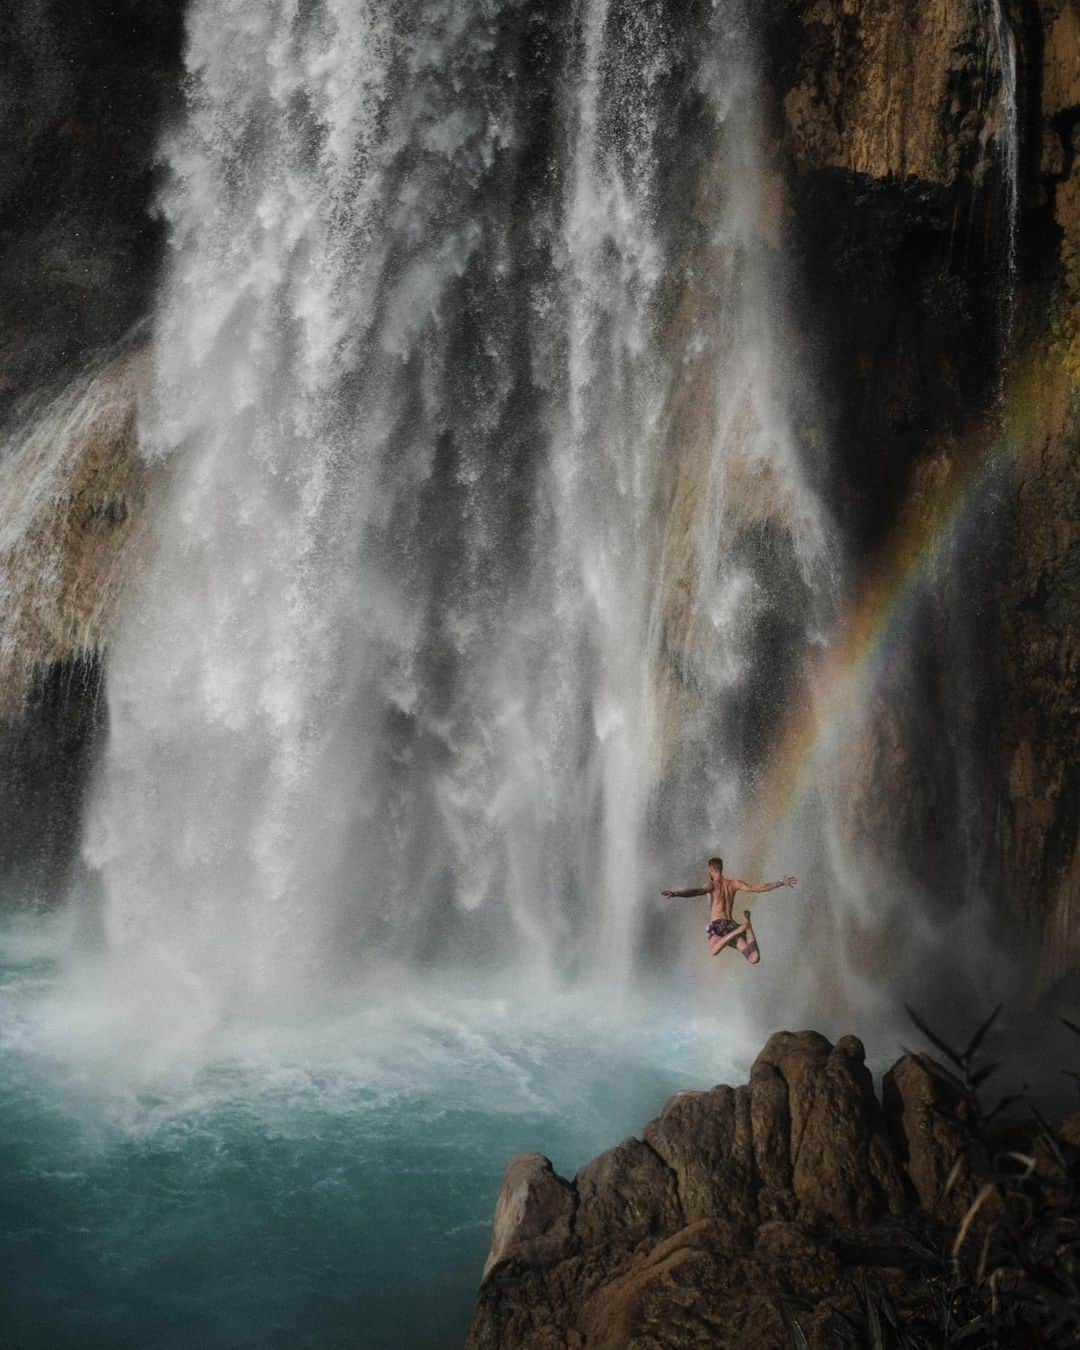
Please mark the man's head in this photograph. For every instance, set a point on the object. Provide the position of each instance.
(716, 867)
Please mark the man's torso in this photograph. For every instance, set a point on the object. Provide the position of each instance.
(723, 896)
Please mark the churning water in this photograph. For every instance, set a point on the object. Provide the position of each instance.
(321, 1185)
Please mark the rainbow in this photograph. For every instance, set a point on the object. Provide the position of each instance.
(870, 638)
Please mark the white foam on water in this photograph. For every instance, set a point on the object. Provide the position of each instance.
(438, 1049)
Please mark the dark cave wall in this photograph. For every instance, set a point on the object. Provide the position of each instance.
(84, 89)
(47, 757)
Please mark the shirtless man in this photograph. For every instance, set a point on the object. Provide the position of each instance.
(723, 931)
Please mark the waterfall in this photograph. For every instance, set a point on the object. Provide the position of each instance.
(489, 544)
(1003, 41)
(1006, 48)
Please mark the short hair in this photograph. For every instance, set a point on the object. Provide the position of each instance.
(716, 862)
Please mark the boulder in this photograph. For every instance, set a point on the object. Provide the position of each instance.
(840, 1163)
(705, 1138)
(625, 1196)
(533, 1214)
(928, 1117)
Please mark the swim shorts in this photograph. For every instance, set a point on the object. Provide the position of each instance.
(719, 928)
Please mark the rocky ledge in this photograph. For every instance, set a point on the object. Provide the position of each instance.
(798, 1191)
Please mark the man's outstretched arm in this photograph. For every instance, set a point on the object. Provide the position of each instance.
(764, 886)
(686, 895)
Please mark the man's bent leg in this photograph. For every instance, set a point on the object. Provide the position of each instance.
(717, 944)
(747, 943)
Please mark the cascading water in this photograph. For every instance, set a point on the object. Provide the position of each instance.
(335, 215)
(1005, 41)
(1001, 51)
(401, 656)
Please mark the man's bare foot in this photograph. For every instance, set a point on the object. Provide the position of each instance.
(750, 948)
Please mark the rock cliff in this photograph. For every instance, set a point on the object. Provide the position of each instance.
(796, 1189)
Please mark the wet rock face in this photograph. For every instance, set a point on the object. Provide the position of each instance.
(534, 1213)
(74, 514)
(942, 323)
(733, 1200)
(887, 89)
(890, 118)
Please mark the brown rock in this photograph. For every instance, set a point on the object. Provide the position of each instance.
(841, 1165)
(771, 1126)
(626, 1195)
(801, 1265)
(522, 1306)
(890, 90)
(670, 1302)
(706, 1140)
(771, 1123)
(1070, 1129)
(533, 1214)
(926, 1112)
(1060, 56)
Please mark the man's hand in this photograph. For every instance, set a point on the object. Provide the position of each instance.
(667, 893)
(787, 881)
